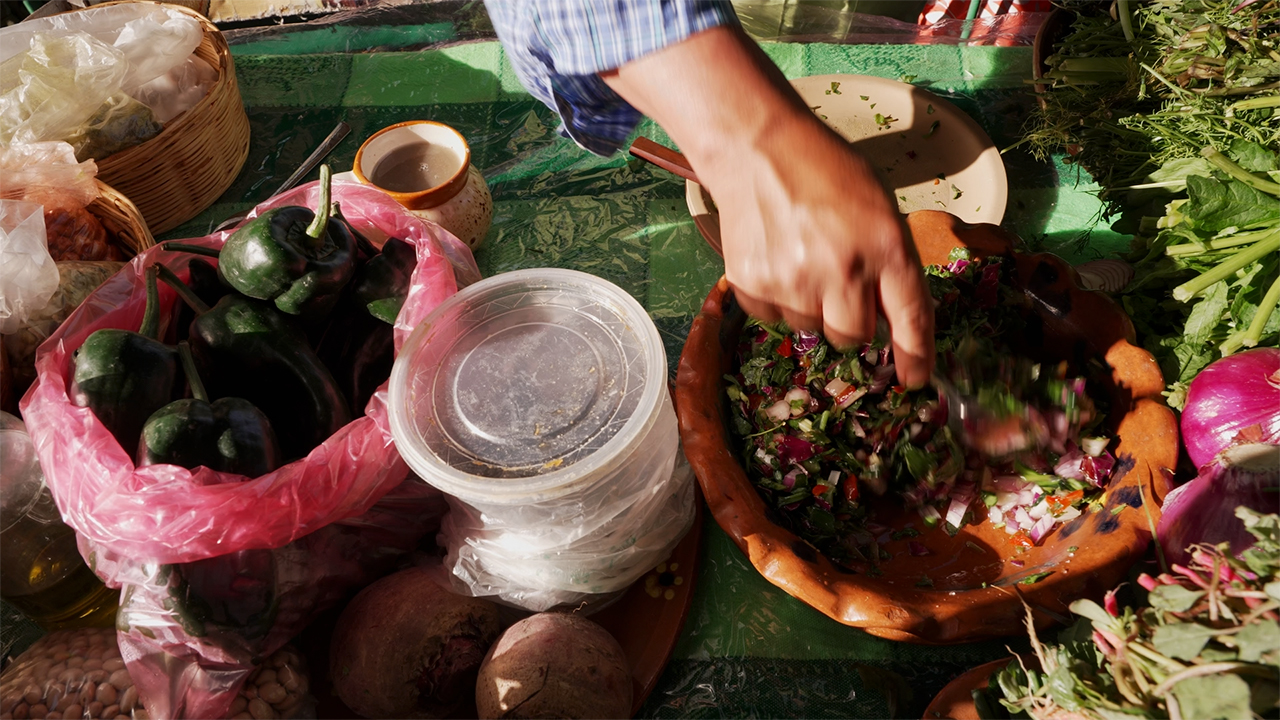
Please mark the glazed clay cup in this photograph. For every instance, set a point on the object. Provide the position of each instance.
(460, 204)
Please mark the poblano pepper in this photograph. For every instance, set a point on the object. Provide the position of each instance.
(246, 348)
(228, 435)
(292, 256)
(382, 284)
(124, 376)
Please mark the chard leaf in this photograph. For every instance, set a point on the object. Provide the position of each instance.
(1174, 598)
(1253, 157)
(1182, 641)
(1213, 696)
(1091, 610)
(1260, 637)
(1062, 687)
(1272, 589)
(1217, 205)
(1207, 314)
(1178, 170)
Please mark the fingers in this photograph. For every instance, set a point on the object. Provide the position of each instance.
(849, 314)
(909, 309)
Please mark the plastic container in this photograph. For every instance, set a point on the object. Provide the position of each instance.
(537, 400)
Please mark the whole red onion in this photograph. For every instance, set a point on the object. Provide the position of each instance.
(1230, 397)
(1204, 510)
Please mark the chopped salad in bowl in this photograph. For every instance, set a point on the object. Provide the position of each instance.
(821, 429)
(871, 504)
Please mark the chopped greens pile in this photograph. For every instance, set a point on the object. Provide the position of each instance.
(1204, 643)
(820, 429)
(1173, 106)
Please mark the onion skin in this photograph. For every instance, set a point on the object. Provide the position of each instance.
(1230, 396)
(1203, 511)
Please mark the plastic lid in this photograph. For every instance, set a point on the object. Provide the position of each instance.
(525, 384)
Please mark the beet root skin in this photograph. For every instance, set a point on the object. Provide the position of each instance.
(405, 647)
(555, 665)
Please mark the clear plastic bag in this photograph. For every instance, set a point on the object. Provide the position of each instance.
(48, 173)
(178, 90)
(583, 546)
(167, 514)
(80, 675)
(28, 275)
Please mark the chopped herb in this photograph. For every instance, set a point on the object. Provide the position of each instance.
(932, 128)
(978, 209)
(835, 88)
(1118, 509)
(908, 78)
(907, 532)
(929, 110)
(940, 203)
(1073, 548)
(873, 106)
(903, 198)
(924, 581)
(974, 546)
(956, 192)
(865, 97)
(1033, 579)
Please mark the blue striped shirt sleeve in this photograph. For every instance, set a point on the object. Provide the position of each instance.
(558, 47)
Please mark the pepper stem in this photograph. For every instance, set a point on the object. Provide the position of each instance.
(193, 249)
(193, 375)
(321, 221)
(184, 291)
(150, 326)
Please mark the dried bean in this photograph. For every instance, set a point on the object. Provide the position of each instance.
(272, 692)
(21, 711)
(38, 711)
(107, 695)
(129, 698)
(92, 663)
(10, 700)
(122, 716)
(242, 716)
(239, 704)
(267, 675)
(95, 709)
(33, 695)
(120, 679)
(87, 693)
(141, 714)
(260, 710)
(74, 710)
(75, 661)
(110, 711)
(53, 715)
(288, 678)
(112, 664)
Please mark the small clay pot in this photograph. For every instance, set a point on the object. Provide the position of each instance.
(976, 593)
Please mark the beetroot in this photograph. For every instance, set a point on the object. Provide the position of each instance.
(555, 665)
(407, 648)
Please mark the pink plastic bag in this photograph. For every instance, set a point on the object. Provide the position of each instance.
(166, 514)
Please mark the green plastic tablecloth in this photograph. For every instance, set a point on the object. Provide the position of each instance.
(748, 649)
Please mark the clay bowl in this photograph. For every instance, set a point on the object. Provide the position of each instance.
(955, 701)
(975, 594)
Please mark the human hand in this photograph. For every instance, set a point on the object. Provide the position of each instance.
(809, 234)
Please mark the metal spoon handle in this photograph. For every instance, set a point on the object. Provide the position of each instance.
(336, 136)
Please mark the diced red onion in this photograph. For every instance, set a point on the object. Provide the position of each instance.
(778, 411)
(789, 480)
(1229, 396)
(917, 549)
(797, 400)
(805, 341)
(793, 449)
(1041, 528)
(956, 511)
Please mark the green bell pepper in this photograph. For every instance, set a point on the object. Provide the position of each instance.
(245, 348)
(382, 284)
(292, 256)
(228, 435)
(124, 376)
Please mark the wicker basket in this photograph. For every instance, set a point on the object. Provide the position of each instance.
(122, 219)
(183, 170)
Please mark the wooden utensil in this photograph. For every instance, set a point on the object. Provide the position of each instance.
(664, 157)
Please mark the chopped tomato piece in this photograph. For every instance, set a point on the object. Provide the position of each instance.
(851, 490)
(785, 348)
(1021, 540)
(1059, 504)
(819, 489)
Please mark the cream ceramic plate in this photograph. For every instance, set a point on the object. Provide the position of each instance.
(951, 165)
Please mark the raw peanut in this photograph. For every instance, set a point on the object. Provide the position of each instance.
(38, 711)
(272, 692)
(239, 704)
(21, 711)
(92, 663)
(87, 693)
(55, 670)
(70, 675)
(112, 664)
(52, 698)
(121, 716)
(33, 695)
(291, 701)
(75, 661)
(53, 715)
(74, 710)
(56, 700)
(94, 709)
(129, 698)
(260, 710)
(249, 691)
(107, 694)
(265, 676)
(242, 716)
(110, 711)
(96, 676)
(120, 679)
